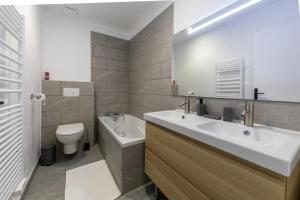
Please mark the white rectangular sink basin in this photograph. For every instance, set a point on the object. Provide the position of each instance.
(249, 136)
(272, 148)
(178, 116)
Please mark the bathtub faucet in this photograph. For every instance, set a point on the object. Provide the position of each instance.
(123, 116)
(115, 115)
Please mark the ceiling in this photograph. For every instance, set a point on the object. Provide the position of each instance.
(127, 18)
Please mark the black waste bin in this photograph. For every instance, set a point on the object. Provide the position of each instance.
(48, 154)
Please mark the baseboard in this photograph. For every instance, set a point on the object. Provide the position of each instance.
(29, 180)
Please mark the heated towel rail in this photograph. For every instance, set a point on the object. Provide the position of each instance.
(11, 108)
(230, 79)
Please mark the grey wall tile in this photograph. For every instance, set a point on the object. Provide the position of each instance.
(112, 76)
(104, 76)
(133, 178)
(116, 108)
(138, 111)
(137, 100)
(277, 114)
(48, 135)
(150, 67)
(117, 43)
(152, 72)
(101, 51)
(86, 102)
(118, 54)
(215, 106)
(166, 71)
(133, 156)
(57, 103)
(116, 87)
(123, 98)
(123, 77)
(50, 119)
(51, 87)
(161, 54)
(118, 65)
(161, 86)
(111, 83)
(107, 98)
(99, 75)
(107, 146)
(77, 116)
(115, 170)
(98, 39)
(52, 103)
(100, 110)
(126, 164)
(99, 63)
(100, 87)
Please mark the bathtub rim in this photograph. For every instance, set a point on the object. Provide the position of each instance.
(114, 134)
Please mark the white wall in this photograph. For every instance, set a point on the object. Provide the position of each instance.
(67, 46)
(191, 12)
(32, 84)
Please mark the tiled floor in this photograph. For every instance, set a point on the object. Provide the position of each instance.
(49, 182)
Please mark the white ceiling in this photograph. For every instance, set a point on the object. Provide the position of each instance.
(127, 18)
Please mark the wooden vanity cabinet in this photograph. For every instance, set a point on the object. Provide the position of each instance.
(185, 169)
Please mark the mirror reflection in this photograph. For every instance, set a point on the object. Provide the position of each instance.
(253, 53)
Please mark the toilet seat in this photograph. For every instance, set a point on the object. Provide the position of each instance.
(69, 129)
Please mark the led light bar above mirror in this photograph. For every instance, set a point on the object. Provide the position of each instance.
(227, 12)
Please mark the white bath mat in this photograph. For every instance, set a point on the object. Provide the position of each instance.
(91, 182)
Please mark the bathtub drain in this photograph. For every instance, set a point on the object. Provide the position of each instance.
(122, 134)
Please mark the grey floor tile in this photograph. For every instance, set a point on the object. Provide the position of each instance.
(147, 192)
(49, 182)
(130, 196)
(83, 158)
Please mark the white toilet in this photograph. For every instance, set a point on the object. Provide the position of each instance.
(69, 135)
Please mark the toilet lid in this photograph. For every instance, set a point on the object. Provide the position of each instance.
(69, 129)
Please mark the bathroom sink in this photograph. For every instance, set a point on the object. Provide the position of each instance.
(254, 136)
(272, 148)
(178, 116)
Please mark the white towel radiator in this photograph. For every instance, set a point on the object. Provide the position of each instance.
(11, 108)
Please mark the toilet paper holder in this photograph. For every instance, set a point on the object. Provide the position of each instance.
(38, 97)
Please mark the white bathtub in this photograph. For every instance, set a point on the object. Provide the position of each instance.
(127, 131)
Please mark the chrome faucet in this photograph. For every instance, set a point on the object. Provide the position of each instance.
(248, 113)
(186, 104)
(115, 115)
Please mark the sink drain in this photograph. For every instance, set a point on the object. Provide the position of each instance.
(246, 133)
(121, 134)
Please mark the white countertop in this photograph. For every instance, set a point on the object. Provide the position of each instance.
(272, 148)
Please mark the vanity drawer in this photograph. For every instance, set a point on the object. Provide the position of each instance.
(169, 181)
(218, 176)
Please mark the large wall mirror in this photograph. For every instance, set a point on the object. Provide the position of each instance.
(237, 56)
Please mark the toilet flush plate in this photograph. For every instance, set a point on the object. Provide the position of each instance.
(71, 92)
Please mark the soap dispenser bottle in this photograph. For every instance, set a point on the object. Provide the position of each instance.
(201, 110)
